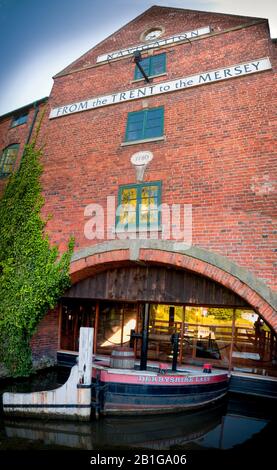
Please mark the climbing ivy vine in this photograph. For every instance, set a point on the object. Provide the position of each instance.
(32, 273)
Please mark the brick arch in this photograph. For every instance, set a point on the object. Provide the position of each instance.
(90, 264)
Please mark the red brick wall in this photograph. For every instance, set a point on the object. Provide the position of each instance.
(45, 342)
(219, 149)
(15, 135)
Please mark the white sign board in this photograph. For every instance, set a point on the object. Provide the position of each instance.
(239, 70)
(152, 45)
(141, 158)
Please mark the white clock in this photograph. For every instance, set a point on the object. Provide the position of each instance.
(154, 34)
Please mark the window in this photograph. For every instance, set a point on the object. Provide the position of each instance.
(17, 120)
(7, 159)
(154, 65)
(139, 206)
(145, 124)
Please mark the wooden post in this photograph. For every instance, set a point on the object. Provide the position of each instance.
(171, 315)
(232, 340)
(136, 329)
(71, 400)
(144, 342)
(182, 335)
(96, 322)
(175, 345)
(85, 356)
(122, 325)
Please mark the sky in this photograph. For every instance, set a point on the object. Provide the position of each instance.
(39, 38)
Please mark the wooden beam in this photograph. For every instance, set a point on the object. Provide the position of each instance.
(96, 323)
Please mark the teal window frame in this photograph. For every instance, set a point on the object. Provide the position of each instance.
(140, 124)
(150, 65)
(139, 187)
(3, 160)
(20, 119)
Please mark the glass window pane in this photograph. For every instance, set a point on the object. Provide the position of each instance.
(74, 315)
(145, 124)
(254, 344)
(19, 120)
(145, 63)
(149, 205)
(155, 113)
(110, 326)
(153, 132)
(135, 117)
(128, 203)
(150, 193)
(154, 217)
(149, 218)
(115, 322)
(128, 194)
(157, 64)
(208, 335)
(135, 126)
(7, 160)
(154, 123)
(138, 205)
(134, 135)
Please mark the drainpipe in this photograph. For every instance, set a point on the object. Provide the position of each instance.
(36, 108)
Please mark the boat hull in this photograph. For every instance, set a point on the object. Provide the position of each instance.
(144, 394)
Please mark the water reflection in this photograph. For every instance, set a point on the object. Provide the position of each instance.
(222, 426)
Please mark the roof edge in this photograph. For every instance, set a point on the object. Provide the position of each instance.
(143, 13)
(26, 106)
(205, 11)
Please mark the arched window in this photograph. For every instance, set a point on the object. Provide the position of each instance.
(7, 159)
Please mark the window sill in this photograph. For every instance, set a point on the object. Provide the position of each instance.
(142, 141)
(150, 77)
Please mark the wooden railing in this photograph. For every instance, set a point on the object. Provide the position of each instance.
(215, 339)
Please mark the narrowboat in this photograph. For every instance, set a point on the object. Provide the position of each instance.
(155, 390)
(121, 386)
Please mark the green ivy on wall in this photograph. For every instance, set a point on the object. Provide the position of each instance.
(32, 273)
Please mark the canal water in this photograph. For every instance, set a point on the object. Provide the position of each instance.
(238, 422)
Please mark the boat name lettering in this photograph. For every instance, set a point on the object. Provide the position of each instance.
(169, 379)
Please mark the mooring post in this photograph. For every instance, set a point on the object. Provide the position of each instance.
(144, 337)
(85, 356)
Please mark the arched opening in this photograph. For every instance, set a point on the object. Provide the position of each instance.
(213, 322)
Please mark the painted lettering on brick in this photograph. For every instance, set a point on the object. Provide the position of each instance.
(204, 78)
(152, 45)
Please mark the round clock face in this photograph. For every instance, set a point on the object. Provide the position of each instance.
(153, 34)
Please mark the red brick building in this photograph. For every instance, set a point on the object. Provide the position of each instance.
(16, 130)
(206, 122)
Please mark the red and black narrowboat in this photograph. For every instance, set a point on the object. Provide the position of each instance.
(155, 390)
